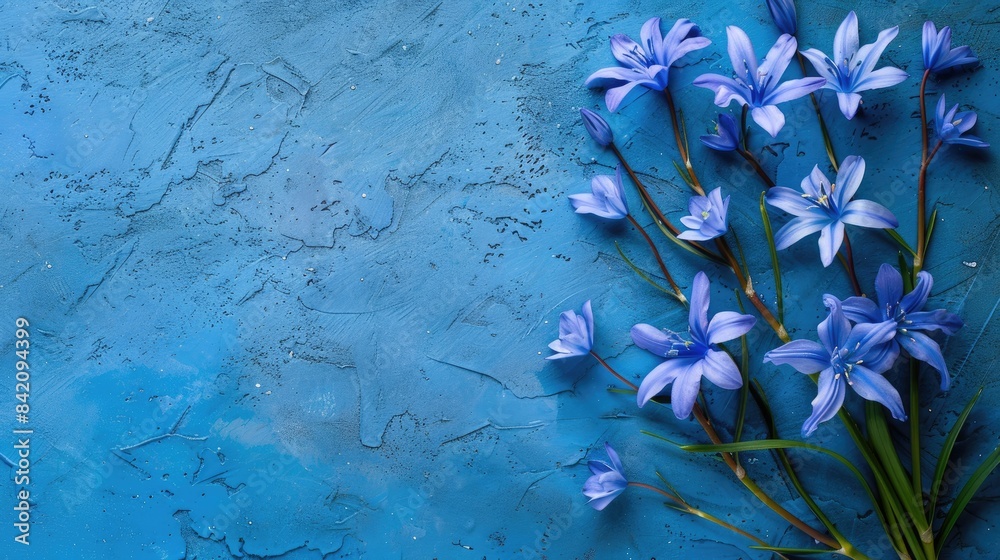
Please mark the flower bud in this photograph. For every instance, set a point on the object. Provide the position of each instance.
(597, 127)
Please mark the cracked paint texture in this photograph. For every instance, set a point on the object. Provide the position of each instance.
(291, 269)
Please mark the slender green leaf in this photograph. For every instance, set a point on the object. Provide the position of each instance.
(739, 249)
(772, 431)
(741, 412)
(900, 241)
(658, 436)
(906, 272)
(949, 445)
(881, 439)
(768, 444)
(930, 229)
(780, 550)
(684, 174)
(642, 274)
(965, 495)
(775, 266)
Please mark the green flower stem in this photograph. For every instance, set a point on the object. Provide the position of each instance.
(613, 372)
(687, 508)
(827, 142)
(659, 260)
(741, 474)
(682, 144)
(918, 487)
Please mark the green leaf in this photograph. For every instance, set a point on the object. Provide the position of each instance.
(769, 234)
(965, 495)
(900, 241)
(906, 272)
(881, 439)
(780, 550)
(684, 174)
(642, 274)
(930, 230)
(768, 444)
(745, 373)
(658, 436)
(948, 447)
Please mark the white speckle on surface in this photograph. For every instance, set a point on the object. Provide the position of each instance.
(364, 195)
(353, 87)
(251, 128)
(257, 385)
(498, 61)
(970, 264)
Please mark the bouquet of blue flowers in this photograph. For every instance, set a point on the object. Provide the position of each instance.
(865, 338)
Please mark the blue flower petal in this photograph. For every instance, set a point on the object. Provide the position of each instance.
(866, 213)
(805, 356)
(698, 314)
(923, 348)
(845, 42)
(770, 118)
(719, 368)
(830, 239)
(834, 330)
(789, 200)
(651, 339)
(889, 289)
(661, 376)
(939, 319)
(727, 325)
(917, 299)
(684, 391)
(861, 310)
(874, 387)
(797, 229)
(829, 399)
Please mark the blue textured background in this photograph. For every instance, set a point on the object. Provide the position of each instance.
(292, 267)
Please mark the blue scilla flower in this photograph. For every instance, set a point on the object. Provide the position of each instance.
(851, 71)
(827, 207)
(951, 127)
(708, 217)
(759, 86)
(907, 313)
(783, 14)
(606, 199)
(607, 480)
(727, 136)
(646, 64)
(937, 51)
(576, 334)
(845, 357)
(689, 358)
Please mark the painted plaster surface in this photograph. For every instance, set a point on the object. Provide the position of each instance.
(291, 269)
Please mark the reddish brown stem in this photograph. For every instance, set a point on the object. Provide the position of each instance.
(849, 265)
(656, 253)
(918, 261)
(613, 372)
(681, 146)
